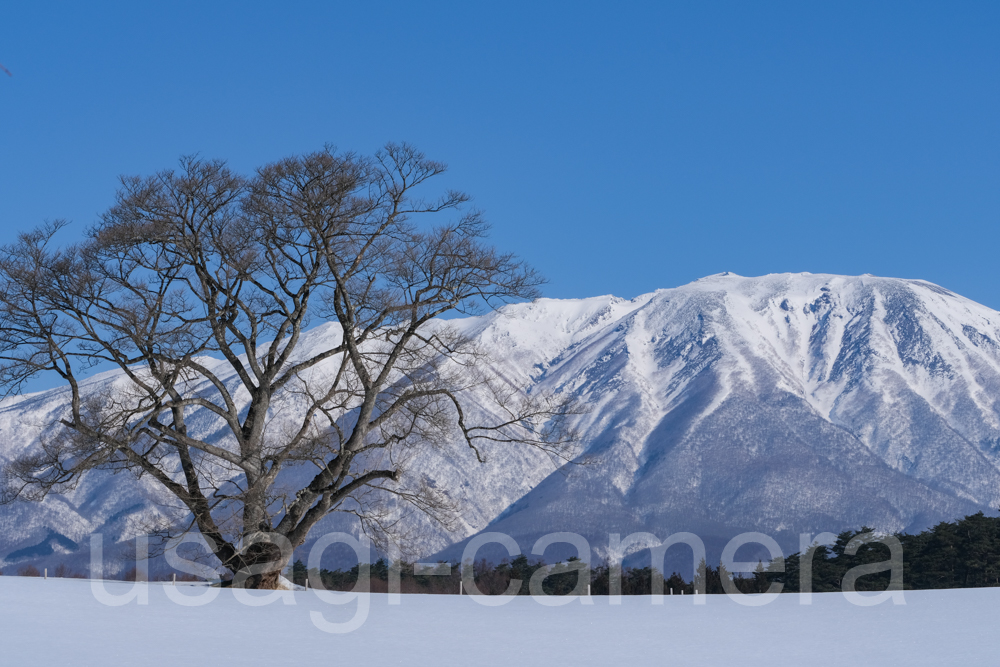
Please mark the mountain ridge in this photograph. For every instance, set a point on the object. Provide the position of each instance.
(851, 350)
(778, 403)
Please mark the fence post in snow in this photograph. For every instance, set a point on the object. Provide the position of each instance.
(459, 586)
(175, 578)
(46, 572)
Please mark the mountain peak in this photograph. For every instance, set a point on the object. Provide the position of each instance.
(780, 403)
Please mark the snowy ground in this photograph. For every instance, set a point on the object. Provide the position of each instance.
(60, 622)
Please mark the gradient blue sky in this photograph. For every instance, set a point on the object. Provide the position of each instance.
(618, 147)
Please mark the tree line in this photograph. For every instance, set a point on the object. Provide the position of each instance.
(957, 554)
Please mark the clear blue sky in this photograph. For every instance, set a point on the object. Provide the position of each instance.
(619, 147)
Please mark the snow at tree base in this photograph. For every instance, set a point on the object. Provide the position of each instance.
(781, 404)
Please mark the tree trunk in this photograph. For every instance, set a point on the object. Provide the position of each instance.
(263, 563)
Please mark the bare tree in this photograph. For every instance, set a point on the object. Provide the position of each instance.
(199, 285)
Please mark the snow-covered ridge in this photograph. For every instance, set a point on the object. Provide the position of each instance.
(779, 403)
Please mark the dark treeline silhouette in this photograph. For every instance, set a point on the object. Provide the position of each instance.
(958, 554)
(490, 579)
(560, 579)
(445, 579)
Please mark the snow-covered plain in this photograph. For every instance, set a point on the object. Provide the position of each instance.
(59, 622)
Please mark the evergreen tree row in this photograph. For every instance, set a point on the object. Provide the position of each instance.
(958, 554)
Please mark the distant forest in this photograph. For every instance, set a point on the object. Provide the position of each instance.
(959, 554)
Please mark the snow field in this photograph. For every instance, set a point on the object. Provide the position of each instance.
(60, 622)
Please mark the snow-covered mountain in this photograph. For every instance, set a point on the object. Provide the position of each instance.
(781, 404)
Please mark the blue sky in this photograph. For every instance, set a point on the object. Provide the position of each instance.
(618, 147)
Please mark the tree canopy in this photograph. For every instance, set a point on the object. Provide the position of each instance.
(198, 286)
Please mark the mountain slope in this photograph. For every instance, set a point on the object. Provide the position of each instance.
(782, 404)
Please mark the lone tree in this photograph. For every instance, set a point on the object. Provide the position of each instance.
(198, 285)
